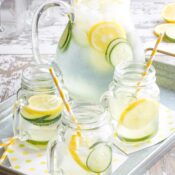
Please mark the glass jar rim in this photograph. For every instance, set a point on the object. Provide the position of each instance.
(35, 77)
(88, 115)
(131, 72)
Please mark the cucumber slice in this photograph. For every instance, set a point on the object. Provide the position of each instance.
(111, 45)
(100, 158)
(120, 52)
(66, 37)
(170, 35)
(43, 121)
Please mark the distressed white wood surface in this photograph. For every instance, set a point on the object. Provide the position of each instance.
(15, 55)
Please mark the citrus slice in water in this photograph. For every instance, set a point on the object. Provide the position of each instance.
(139, 114)
(168, 12)
(43, 104)
(73, 145)
(100, 158)
(101, 34)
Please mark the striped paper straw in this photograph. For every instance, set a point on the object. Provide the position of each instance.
(6, 144)
(150, 61)
(66, 103)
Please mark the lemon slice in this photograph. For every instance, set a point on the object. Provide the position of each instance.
(43, 104)
(101, 34)
(162, 28)
(168, 12)
(73, 145)
(139, 114)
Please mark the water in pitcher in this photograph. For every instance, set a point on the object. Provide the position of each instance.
(95, 41)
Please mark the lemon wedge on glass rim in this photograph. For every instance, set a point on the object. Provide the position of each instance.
(43, 104)
(139, 114)
(102, 33)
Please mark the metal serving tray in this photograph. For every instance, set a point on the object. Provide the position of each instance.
(138, 162)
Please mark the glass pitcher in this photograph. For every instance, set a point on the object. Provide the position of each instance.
(98, 36)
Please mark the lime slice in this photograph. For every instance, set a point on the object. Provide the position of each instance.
(139, 114)
(100, 158)
(101, 34)
(162, 28)
(42, 105)
(168, 12)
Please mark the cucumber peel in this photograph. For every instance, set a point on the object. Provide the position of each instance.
(117, 51)
(44, 120)
(66, 37)
(111, 45)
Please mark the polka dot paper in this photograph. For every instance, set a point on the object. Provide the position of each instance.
(34, 162)
(30, 162)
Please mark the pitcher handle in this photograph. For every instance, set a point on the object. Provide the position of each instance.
(35, 42)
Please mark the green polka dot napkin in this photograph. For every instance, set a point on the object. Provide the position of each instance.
(166, 128)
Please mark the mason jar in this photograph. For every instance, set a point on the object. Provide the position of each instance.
(38, 108)
(85, 150)
(133, 101)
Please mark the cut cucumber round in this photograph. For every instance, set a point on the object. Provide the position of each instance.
(100, 158)
(111, 45)
(119, 51)
(44, 120)
(170, 35)
(66, 37)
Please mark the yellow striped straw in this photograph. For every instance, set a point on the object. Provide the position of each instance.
(7, 144)
(66, 103)
(150, 61)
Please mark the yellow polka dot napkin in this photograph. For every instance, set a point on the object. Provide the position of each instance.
(30, 162)
(23, 159)
(166, 128)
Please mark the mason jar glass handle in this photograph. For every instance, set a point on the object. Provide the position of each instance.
(35, 42)
(16, 121)
(16, 118)
(52, 156)
(104, 100)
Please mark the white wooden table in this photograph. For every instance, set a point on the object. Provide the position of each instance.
(16, 54)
